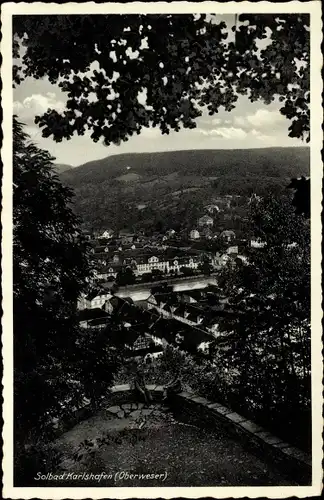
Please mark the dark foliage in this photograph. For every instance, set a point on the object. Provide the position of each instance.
(269, 355)
(125, 277)
(55, 367)
(186, 63)
(301, 199)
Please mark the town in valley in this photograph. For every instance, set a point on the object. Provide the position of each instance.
(170, 275)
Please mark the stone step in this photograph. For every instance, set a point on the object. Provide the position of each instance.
(114, 409)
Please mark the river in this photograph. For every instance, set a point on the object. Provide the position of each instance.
(141, 292)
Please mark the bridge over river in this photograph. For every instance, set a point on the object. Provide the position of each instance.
(141, 291)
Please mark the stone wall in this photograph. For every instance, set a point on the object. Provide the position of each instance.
(201, 412)
(119, 394)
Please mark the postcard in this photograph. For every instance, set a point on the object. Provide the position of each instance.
(161, 250)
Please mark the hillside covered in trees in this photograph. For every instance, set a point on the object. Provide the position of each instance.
(61, 167)
(141, 188)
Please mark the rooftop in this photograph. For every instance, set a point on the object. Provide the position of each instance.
(96, 293)
(88, 314)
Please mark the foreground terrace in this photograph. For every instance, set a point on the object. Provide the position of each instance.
(127, 439)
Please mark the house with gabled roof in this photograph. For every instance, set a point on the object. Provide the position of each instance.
(232, 250)
(95, 298)
(93, 317)
(189, 298)
(227, 235)
(107, 234)
(109, 270)
(205, 220)
(124, 307)
(142, 343)
(194, 234)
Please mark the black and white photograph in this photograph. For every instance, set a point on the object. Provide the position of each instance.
(161, 250)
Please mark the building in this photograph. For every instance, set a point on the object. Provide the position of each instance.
(166, 261)
(219, 260)
(207, 233)
(144, 343)
(100, 249)
(148, 263)
(143, 260)
(170, 233)
(130, 246)
(212, 208)
(206, 220)
(171, 331)
(94, 299)
(257, 243)
(232, 250)
(108, 271)
(107, 234)
(126, 236)
(227, 235)
(171, 306)
(93, 318)
(120, 304)
(194, 234)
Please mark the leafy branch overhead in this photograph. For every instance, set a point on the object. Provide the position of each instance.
(123, 73)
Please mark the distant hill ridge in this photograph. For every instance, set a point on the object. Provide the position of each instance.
(62, 167)
(175, 185)
(270, 162)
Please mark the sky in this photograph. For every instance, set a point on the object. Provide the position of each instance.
(249, 125)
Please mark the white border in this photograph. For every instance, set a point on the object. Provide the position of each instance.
(161, 7)
(312, 7)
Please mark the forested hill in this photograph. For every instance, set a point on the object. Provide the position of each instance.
(62, 167)
(265, 162)
(166, 182)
